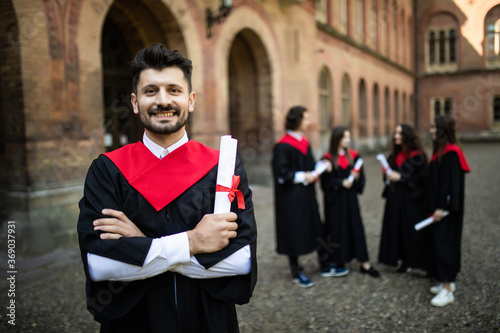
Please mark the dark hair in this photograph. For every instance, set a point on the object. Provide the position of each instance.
(294, 117)
(445, 133)
(410, 142)
(337, 135)
(158, 56)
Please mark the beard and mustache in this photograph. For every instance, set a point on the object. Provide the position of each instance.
(165, 126)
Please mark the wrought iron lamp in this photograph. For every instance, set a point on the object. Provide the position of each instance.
(223, 12)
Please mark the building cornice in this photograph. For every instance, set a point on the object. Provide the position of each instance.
(471, 71)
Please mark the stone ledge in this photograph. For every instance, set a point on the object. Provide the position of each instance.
(45, 220)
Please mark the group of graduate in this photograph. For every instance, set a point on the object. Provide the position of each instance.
(414, 187)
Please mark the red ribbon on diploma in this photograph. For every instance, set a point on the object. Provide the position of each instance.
(233, 192)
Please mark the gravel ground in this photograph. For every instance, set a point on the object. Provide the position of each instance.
(50, 289)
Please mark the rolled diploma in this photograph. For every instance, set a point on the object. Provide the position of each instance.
(385, 165)
(320, 167)
(357, 167)
(225, 172)
(428, 221)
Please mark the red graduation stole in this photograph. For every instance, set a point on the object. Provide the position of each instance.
(461, 157)
(342, 160)
(404, 155)
(301, 145)
(161, 181)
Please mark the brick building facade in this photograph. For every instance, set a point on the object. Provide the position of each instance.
(368, 64)
(458, 54)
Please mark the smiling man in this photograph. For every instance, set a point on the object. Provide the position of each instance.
(155, 257)
(166, 100)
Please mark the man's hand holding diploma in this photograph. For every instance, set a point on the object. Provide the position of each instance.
(212, 233)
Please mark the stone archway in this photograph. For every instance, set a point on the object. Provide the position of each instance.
(128, 27)
(250, 103)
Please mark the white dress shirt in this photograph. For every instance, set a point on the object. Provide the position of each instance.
(168, 253)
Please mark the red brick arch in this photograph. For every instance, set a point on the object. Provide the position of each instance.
(142, 23)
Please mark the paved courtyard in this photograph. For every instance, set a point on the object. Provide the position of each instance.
(50, 289)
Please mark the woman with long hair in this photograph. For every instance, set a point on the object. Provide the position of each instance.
(342, 213)
(445, 191)
(403, 191)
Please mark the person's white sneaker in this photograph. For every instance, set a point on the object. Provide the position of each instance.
(443, 298)
(437, 288)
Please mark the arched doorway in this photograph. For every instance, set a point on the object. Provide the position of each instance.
(250, 104)
(128, 27)
(120, 124)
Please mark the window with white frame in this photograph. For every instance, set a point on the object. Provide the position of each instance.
(394, 32)
(402, 38)
(442, 44)
(321, 11)
(442, 47)
(346, 100)
(383, 35)
(441, 106)
(372, 25)
(360, 20)
(492, 38)
(325, 101)
(343, 16)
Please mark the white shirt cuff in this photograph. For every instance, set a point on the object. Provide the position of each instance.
(300, 177)
(238, 263)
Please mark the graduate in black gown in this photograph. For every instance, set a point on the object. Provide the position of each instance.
(299, 230)
(343, 221)
(445, 193)
(403, 191)
(155, 256)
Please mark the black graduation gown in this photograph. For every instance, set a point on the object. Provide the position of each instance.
(342, 215)
(169, 301)
(403, 209)
(298, 224)
(445, 190)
